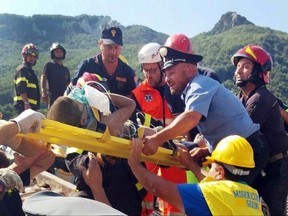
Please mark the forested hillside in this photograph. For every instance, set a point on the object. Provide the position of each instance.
(80, 34)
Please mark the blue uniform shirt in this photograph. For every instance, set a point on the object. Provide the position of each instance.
(223, 114)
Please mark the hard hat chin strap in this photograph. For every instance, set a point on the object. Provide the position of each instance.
(254, 77)
(161, 75)
(236, 171)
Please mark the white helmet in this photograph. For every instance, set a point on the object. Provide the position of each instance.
(149, 53)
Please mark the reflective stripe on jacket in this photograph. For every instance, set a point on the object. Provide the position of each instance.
(26, 81)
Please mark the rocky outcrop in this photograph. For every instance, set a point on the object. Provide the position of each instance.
(228, 21)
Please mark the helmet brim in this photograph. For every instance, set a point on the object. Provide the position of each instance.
(172, 57)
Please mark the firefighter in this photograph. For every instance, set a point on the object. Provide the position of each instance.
(27, 95)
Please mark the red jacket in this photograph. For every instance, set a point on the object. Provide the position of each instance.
(151, 102)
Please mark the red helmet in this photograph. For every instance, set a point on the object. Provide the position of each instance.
(179, 42)
(177, 49)
(93, 80)
(30, 49)
(258, 55)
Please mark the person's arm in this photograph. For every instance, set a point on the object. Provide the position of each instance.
(25, 99)
(156, 185)
(8, 130)
(28, 121)
(44, 88)
(38, 160)
(93, 178)
(36, 155)
(186, 160)
(115, 120)
(68, 77)
(179, 126)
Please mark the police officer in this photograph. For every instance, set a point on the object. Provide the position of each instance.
(107, 64)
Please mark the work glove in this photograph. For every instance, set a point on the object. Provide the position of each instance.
(29, 121)
(9, 180)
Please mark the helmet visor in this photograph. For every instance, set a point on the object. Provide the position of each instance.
(33, 52)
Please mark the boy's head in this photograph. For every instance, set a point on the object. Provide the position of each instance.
(66, 110)
(72, 112)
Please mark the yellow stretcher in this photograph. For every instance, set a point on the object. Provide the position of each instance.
(104, 143)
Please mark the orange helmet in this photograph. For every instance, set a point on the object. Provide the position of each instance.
(257, 55)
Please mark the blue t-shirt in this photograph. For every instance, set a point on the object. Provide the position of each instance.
(222, 112)
(193, 200)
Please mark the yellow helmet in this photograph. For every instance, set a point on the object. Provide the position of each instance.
(233, 150)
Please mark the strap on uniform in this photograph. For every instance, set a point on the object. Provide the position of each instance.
(74, 150)
(106, 135)
(147, 121)
(279, 156)
(96, 113)
(138, 186)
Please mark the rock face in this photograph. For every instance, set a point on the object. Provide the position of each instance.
(228, 21)
(48, 28)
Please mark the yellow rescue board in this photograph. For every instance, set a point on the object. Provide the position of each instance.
(63, 134)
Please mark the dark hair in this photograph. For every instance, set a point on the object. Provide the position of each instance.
(231, 176)
(65, 110)
(4, 161)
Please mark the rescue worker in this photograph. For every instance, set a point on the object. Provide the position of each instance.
(253, 65)
(56, 74)
(107, 64)
(26, 85)
(223, 191)
(149, 98)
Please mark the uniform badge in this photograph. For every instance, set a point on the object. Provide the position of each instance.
(113, 32)
(148, 97)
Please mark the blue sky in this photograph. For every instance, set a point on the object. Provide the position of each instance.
(190, 17)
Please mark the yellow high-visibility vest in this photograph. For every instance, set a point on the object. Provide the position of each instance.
(231, 198)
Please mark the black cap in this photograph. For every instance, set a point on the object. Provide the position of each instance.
(172, 57)
(112, 35)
